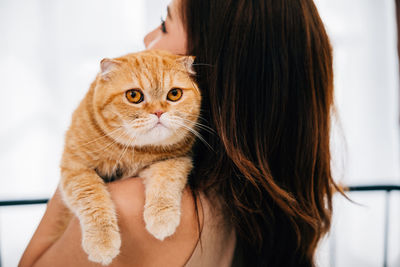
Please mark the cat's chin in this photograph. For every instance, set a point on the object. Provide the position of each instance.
(159, 135)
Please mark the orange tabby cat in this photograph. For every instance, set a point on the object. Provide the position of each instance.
(138, 119)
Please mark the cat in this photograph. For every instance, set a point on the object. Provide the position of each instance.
(138, 118)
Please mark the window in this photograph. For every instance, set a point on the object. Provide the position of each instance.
(50, 52)
(364, 39)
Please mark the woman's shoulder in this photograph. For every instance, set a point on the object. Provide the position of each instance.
(142, 248)
(138, 247)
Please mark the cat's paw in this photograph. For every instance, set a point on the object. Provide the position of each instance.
(102, 245)
(160, 221)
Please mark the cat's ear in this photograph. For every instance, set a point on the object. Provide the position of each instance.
(187, 62)
(107, 66)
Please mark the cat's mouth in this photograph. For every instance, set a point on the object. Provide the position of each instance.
(158, 124)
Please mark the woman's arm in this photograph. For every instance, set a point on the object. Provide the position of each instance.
(52, 225)
(139, 248)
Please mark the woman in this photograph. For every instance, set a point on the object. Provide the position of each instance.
(265, 189)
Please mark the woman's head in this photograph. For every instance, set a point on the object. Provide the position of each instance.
(265, 71)
(170, 35)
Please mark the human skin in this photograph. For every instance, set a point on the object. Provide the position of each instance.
(174, 39)
(139, 248)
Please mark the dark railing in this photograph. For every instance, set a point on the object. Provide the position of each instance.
(365, 188)
(387, 189)
(23, 202)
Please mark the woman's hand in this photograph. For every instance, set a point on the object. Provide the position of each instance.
(51, 227)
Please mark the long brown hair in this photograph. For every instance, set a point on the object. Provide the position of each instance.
(265, 71)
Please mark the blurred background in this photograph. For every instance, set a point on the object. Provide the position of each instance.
(50, 52)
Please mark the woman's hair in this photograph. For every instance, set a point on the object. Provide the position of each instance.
(265, 71)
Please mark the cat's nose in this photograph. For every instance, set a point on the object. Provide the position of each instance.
(158, 113)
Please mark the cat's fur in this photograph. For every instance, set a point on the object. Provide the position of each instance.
(112, 137)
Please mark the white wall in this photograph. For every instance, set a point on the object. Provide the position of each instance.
(50, 51)
(364, 38)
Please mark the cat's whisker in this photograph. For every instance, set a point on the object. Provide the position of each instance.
(115, 140)
(199, 118)
(124, 150)
(122, 154)
(111, 131)
(202, 64)
(197, 124)
(203, 126)
(180, 134)
(98, 138)
(199, 127)
(196, 116)
(126, 146)
(103, 148)
(138, 122)
(197, 134)
(193, 83)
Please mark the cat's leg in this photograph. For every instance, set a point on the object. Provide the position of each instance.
(87, 196)
(164, 182)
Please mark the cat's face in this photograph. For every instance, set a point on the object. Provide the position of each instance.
(147, 98)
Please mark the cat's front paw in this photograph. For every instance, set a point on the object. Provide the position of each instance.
(102, 244)
(161, 221)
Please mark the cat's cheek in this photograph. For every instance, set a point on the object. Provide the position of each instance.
(112, 118)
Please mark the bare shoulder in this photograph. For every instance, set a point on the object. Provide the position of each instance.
(138, 248)
(142, 248)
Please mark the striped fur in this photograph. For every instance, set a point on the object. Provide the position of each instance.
(111, 137)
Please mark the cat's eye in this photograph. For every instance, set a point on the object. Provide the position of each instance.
(174, 94)
(134, 96)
